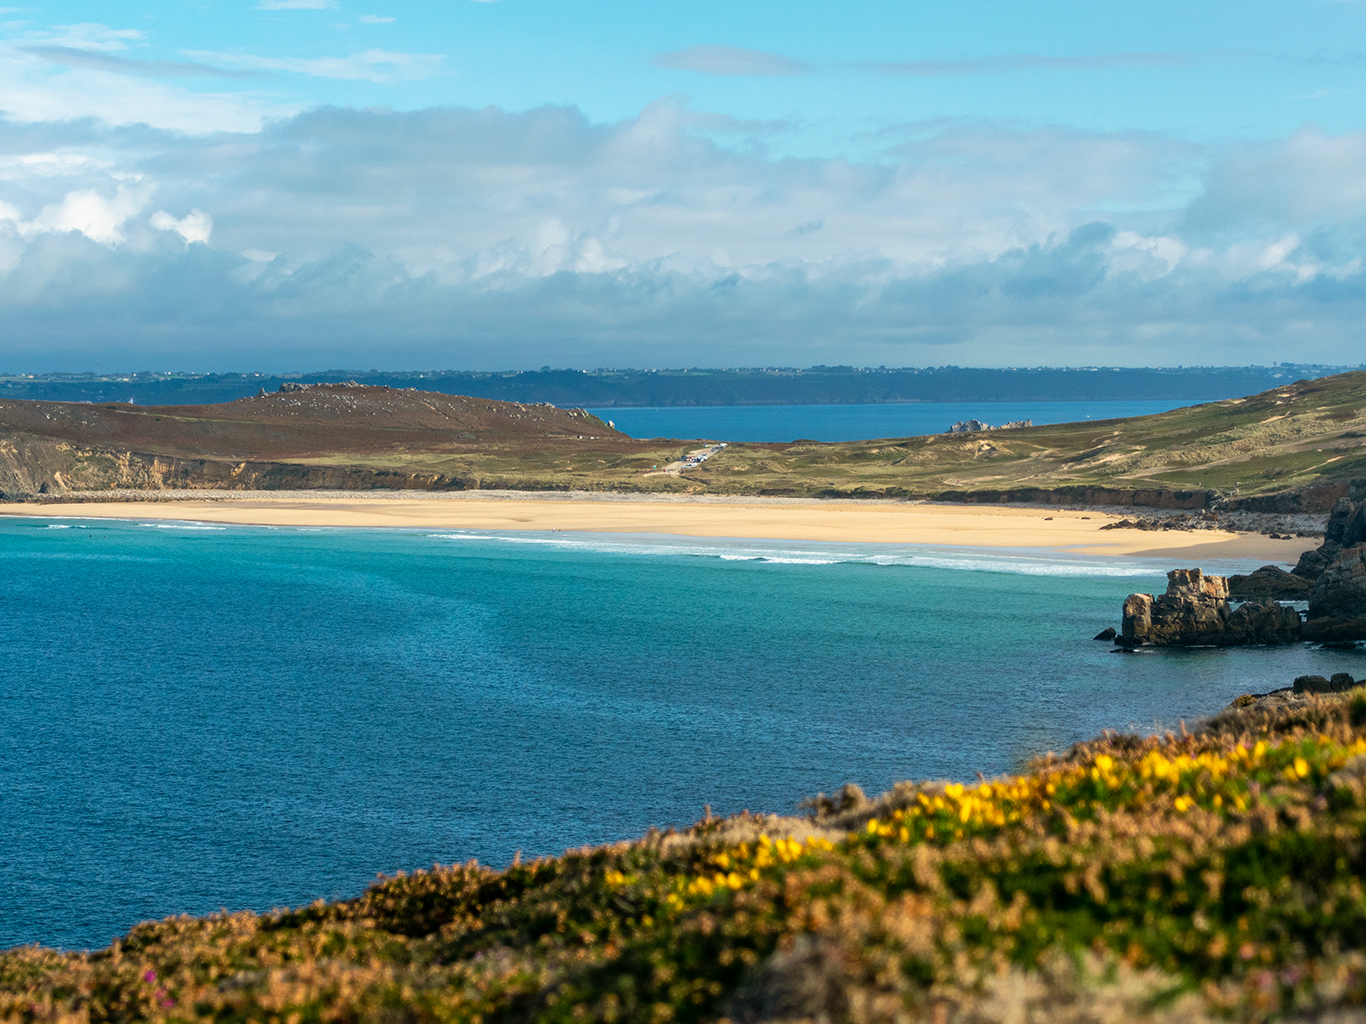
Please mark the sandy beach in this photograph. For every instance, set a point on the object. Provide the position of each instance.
(983, 526)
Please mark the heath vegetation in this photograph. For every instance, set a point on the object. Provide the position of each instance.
(1215, 875)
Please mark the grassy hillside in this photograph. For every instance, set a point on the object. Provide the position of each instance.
(1297, 436)
(1302, 435)
(1208, 876)
(1311, 434)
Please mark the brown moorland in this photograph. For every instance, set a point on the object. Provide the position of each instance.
(310, 422)
(1300, 446)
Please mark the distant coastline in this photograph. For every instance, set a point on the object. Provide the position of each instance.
(699, 386)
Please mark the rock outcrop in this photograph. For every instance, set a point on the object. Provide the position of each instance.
(1346, 528)
(1195, 612)
(1337, 606)
(1317, 684)
(973, 426)
(1337, 570)
(1269, 582)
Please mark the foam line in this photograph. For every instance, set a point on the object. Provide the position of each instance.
(783, 553)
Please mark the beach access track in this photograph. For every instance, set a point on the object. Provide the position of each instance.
(692, 460)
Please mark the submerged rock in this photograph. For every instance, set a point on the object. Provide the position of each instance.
(1195, 612)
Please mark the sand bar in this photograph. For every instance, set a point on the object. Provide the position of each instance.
(881, 522)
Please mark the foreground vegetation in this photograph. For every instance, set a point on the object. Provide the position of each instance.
(1208, 876)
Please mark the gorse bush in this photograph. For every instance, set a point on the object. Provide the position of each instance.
(1208, 876)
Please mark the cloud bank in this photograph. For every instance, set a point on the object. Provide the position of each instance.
(487, 238)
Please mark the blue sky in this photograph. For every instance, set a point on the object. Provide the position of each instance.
(291, 184)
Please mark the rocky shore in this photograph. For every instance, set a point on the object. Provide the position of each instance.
(1307, 525)
(1199, 611)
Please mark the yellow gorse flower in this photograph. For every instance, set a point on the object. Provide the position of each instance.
(1214, 780)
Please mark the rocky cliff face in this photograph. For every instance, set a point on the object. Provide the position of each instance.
(1337, 568)
(1337, 607)
(1346, 528)
(1195, 612)
(37, 466)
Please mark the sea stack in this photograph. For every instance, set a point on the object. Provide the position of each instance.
(1195, 612)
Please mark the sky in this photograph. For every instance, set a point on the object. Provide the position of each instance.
(283, 185)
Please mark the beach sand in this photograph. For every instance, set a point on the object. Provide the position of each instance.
(885, 522)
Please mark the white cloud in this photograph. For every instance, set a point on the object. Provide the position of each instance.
(99, 218)
(49, 165)
(92, 80)
(75, 57)
(640, 241)
(370, 65)
(89, 36)
(195, 226)
(375, 19)
(1309, 177)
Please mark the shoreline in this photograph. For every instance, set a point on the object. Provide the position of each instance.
(884, 521)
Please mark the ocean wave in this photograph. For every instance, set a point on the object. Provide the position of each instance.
(815, 554)
(181, 526)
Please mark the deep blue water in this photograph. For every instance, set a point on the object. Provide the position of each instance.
(194, 718)
(853, 422)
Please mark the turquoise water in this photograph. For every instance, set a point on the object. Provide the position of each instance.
(852, 422)
(200, 717)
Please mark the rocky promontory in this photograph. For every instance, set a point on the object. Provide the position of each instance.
(1195, 611)
(1198, 610)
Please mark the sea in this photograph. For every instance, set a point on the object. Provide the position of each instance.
(196, 717)
(782, 423)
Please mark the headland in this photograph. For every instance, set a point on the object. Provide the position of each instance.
(1295, 449)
